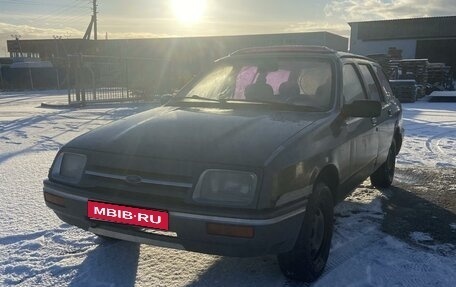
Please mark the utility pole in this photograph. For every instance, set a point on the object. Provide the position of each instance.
(92, 24)
(95, 30)
(18, 43)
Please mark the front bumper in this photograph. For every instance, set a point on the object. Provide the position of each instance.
(189, 231)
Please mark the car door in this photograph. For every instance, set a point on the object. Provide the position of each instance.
(374, 93)
(386, 121)
(361, 131)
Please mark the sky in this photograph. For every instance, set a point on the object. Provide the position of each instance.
(34, 19)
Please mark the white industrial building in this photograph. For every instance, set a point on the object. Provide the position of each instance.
(432, 38)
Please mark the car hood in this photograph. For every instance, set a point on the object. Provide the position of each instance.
(223, 136)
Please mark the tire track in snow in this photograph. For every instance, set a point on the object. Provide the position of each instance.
(342, 254)
(434, 145)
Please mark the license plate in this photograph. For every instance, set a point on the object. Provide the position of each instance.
(127, 215)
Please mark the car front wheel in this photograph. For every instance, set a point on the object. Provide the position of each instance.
(307, 260)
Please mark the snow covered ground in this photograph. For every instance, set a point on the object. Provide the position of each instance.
(37, 249)
(430, 135)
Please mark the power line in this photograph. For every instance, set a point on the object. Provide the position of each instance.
(75, 18)
(60, 10)
(76, 4)
(25, 3)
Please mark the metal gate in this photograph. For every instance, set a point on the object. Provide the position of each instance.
(98, 79)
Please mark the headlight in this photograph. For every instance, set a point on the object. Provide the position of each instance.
(69, 167)
(226, 187)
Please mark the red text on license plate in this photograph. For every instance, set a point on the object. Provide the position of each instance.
(127, 215)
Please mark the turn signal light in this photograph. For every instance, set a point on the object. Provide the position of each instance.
(57, 200)
(230, 230)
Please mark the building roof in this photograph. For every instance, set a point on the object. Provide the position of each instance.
(157, 47)
(414, 28)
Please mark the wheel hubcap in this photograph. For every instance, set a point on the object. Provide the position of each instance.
(317, 233)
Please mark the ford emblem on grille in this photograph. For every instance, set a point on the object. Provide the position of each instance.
(133, 179)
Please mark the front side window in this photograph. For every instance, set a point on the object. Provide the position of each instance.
(372, 88)
(384, 83)
(291, 81)
(353, 89)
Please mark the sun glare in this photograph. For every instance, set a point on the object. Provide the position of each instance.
(188, 11)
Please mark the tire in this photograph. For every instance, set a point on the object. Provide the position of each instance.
(384, 175)
(307, 260)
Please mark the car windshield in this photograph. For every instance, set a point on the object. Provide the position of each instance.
(291, 81)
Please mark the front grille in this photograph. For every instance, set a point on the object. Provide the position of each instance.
(129, 178)
(136, 188)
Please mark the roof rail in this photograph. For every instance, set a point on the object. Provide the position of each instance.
(284, 49)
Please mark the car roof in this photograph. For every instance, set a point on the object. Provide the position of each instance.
(293, 49)
(284, 49)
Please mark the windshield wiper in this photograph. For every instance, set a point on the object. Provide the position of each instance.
(276, 104)
(288, 106)
(182, 100)
(201, 98)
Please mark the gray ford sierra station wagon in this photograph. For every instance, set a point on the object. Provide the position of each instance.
(246, 160)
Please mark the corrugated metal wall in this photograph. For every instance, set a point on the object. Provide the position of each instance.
(419, 28)
(438, 51)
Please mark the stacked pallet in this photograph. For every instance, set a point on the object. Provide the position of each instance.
(383, 60)
(438, 73)
(416, 69)
(394, 68)
(394, 53)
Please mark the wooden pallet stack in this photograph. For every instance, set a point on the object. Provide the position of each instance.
(383, 60)
(394, 53)
(394, 68)
(389, 61)
(416, 69)
(438, 73)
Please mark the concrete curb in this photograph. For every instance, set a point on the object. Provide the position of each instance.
(60, 106)
(57, 105)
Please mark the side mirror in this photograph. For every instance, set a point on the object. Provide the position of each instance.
(362, 109)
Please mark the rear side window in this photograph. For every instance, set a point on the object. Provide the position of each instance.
(384, 83)
(372, 88)
(353, 89)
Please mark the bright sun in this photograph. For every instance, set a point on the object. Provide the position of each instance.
(188, 11)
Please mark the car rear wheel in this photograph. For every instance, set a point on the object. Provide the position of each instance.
(384, 175)
(307, 260)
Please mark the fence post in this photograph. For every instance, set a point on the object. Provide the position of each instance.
(2, 86)
(123, 62)
(81, 70)
(94, 85)
(31, 78)
(58, 78)
(77, 74)
(68, 66)
(126, 79)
